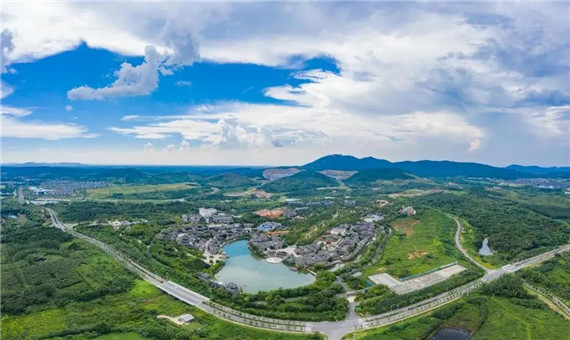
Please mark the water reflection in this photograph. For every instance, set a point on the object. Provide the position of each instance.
(452, 333)
(254, 274)
(485, 250)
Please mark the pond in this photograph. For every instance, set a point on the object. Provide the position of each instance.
(254, 274)
(485, 250)
(452, 333)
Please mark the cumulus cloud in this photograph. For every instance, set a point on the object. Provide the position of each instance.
(258, 126)
(184, 146)
(131, 80)
(148, 147)
(68, 108)
(404, 75)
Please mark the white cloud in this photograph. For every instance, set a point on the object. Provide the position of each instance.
(148, 147)
(184, 146)
(14, 128)
(131, 80)
(14, 111)
(6, 47)
(68, 108)
(183, 83)
(552, 122)
(129, 118)
(5, 90)
(247, 126)
(407, 74)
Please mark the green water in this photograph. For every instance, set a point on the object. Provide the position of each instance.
(254, 274)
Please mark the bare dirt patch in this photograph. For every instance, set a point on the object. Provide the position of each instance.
(416, 254)
(406, 226)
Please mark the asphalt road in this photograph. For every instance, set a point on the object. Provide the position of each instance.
(460, 247)
(335, 330)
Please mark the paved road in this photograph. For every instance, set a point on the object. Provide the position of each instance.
(562, 307)
(21, 195)
(460, 247)
(334, 330)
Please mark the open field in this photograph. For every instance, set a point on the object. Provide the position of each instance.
(421, 243)
(131, 315)
(486, 316)
(113, 191)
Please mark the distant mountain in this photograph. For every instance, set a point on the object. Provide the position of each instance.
(304, 180)
(452, 169)
(114, 175)
(369, 176)
(346, 163)
(230, 180)
(420, 168)
(554, 171)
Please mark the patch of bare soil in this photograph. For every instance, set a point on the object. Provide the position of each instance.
(416, 254)
(406, 226)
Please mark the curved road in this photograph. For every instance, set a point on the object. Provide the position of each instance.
(460, 247)
(335, 330)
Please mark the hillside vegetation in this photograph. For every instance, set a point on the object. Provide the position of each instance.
(371, 176)
(513, 230)
(304, 180)
(230, 180)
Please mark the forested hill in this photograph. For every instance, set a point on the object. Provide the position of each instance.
(304, 180)
(369, 176)
(429, 168)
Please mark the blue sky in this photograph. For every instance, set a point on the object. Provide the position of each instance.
(284, 83)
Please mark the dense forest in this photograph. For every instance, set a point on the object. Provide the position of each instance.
(45, 267)
(513, 230)
(302, 181)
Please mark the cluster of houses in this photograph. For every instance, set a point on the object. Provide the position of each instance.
(209, 230)
(208, 238)
(342, 243)
(66, 188)
(264, 243)
(229, 287)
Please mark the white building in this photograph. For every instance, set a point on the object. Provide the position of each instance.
(207, 212)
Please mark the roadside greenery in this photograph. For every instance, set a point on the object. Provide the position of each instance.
(390, 301)
(513, 230)
(553, 275)
(315, 302)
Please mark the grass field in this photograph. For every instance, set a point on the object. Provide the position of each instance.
(103, 193)
(131, 315)
(492, 318)
(420, 243)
